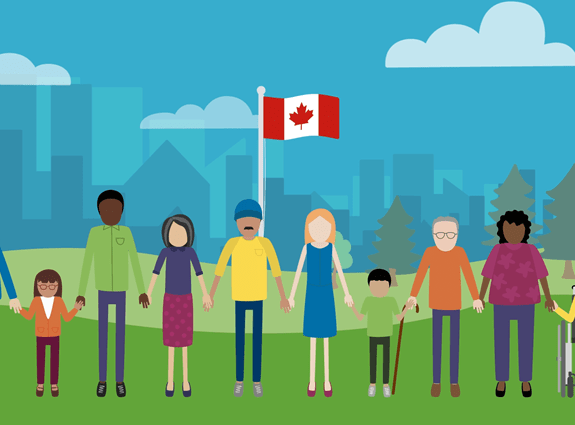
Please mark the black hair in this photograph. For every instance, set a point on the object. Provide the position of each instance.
(182, 220)
(110, 194)
(517, 218)
(379, 274)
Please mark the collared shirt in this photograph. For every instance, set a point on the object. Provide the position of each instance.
(249, 267)
(111, 248)
(8, 284)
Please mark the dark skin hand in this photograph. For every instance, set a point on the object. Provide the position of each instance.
(144, 300)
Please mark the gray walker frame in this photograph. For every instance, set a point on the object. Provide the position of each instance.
(565, 340)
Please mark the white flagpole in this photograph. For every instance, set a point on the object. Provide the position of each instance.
(261, 90)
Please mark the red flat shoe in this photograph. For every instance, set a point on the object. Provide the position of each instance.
(328, 393)
(310, 393)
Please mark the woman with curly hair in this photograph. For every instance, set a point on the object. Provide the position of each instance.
(515, 269)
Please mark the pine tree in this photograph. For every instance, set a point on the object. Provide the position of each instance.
(512, 197)
(394, 247)
(559, 243)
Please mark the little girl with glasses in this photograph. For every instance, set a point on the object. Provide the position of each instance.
(48, 305)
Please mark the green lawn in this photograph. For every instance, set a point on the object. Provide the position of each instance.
(285, 376)
(25, 264)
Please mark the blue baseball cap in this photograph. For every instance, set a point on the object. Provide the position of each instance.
(248, 208)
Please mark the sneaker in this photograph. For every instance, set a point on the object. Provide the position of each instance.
(386, 392)
(258, 391)
(238, 389)
(371, 391)
(101, 390)
(121, 389)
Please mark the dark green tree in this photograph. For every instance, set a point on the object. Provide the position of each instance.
(394, 247)
(512, 197)
(559, 243)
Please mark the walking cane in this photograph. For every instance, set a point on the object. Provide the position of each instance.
(399, 347)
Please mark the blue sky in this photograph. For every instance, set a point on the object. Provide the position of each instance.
(480, 120)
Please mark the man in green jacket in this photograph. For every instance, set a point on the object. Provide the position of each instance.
(109, 247)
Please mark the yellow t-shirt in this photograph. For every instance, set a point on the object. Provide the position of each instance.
(249, 267)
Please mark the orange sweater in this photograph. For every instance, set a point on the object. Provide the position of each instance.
(51, 326)
(445, 277)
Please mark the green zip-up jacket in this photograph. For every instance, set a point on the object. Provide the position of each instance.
(109, 248)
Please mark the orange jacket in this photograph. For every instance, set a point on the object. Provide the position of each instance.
(51, 326)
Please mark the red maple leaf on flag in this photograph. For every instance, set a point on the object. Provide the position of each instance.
(302, 115)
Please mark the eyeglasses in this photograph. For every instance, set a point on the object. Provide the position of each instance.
(43, 287)
(441, 235)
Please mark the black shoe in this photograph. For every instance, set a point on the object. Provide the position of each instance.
(187, 393)
(101, 391)
(500, 393)
(170, 393)
(528, 392)
(121, 389)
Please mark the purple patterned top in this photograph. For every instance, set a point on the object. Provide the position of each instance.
(178, 271)
(514, 270)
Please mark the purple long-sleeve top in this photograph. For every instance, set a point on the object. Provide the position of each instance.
(178, 270)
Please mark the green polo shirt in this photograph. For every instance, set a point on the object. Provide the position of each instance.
(109, 248)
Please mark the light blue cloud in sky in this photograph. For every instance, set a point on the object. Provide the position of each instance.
(222, 112)
(511, 34)
(17, 70)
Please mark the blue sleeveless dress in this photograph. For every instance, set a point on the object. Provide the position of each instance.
(319, 312)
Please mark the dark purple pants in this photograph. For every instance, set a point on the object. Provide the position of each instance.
(41, 343)
(105, 299)
(502, 317)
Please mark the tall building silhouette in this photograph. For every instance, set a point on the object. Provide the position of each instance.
(11, 179)
(67, 189)
(71, 133)
(371, 193)
(238, 187)
(413, 175)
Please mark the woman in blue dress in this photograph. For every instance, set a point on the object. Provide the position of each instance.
(319, 313)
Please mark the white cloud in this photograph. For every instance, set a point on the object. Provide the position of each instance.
(223, 112)
(17, 70)
(511, 34)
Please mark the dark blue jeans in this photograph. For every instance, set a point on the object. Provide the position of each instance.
(241, 308)
(438, 316)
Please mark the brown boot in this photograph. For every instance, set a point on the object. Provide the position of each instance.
(455, 390)
(435, 390)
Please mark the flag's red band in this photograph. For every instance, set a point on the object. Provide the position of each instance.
(328, 116)
(274, 118)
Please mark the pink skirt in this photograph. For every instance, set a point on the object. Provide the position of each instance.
(178, 320)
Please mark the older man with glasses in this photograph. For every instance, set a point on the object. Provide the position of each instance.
(445, 261)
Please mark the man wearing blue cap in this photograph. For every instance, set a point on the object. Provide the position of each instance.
(250, 255)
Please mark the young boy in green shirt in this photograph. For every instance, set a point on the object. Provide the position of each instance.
(380, 310)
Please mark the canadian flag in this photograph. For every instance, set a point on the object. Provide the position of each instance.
(301, 116)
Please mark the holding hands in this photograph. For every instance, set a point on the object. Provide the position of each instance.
(410, 303)
(78, 305)
(15, 305)
(207, 301)
(348, 300)
(479, 305)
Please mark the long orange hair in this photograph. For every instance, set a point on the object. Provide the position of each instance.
(326, 215)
